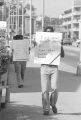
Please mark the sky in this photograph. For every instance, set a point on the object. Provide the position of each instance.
(53, 8)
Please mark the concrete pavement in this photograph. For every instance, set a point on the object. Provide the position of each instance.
(25, 103)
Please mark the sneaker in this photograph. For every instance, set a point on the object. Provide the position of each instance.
(20, 86)
(46, 103)
(54, 109)
(53, 100)
(46, 112)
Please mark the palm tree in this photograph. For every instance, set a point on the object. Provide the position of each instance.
(27, 9)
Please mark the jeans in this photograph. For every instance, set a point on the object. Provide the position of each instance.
(49, 76)
(20, 67)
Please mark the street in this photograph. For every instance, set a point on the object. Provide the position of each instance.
(25, 103)
(72, 55)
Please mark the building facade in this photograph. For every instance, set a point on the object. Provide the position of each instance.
(71, 19)
(18, 20)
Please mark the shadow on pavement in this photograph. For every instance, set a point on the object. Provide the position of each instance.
(20, 112)
(32, 82)
(78, 113)
(67, 82)
(25, 112)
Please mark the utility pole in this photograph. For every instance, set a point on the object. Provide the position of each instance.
(18, 16)
(79, 64)
(30, 21)
(80, 38)
(22, 17)
(43, 15)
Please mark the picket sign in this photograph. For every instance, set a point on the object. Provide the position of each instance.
(48, 47)
(20, 50)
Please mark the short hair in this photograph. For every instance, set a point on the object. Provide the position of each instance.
(49, 27)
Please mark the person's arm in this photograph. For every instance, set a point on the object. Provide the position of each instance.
(29, 50)
(62, 54)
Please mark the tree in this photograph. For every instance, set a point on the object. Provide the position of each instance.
(1, 2)
(46, 21)
(27, 9)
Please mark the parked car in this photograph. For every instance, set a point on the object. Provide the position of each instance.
(76, 43)
(67, 42)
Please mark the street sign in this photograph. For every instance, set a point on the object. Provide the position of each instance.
(3, 24)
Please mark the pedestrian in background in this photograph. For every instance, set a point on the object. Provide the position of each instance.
(49, 74)
(20, 66)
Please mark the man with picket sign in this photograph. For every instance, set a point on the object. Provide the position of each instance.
(48, 52)
(20, 57)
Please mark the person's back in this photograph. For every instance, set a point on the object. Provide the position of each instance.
(20, 66)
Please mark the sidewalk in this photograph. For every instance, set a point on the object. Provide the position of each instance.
(26, 104)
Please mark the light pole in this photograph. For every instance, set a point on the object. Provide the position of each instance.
(30, 21)
(43, 15)
(79, 64)
(22, 18)
(80, 38)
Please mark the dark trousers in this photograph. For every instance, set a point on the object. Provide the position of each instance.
(20, 67)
